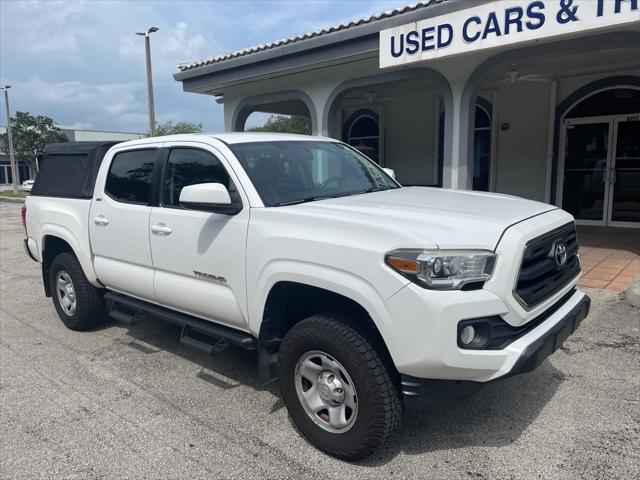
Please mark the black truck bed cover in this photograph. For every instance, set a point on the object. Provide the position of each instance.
(70, 169)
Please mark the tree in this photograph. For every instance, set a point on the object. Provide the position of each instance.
(30, 135)
(171, 128)
(285, 124)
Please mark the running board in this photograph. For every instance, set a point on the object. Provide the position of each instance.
(204, 335)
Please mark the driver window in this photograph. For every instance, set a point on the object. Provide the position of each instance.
(190, 166)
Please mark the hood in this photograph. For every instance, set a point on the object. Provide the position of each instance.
(447, 218)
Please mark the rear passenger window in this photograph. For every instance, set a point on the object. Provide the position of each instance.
(189, 166)
(129, 178)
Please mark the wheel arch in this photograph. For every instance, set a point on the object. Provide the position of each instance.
(56, 241)
(289, 302)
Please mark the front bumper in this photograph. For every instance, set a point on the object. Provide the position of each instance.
(420, 393)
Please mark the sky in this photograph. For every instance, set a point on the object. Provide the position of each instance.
(79, 62)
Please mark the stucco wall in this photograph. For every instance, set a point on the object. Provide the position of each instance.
(521, 150)
(409, 129)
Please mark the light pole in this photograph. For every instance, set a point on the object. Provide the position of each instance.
(147, 47)
(12, 157)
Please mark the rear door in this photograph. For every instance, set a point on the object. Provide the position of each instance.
(199, 257)
(119, 221)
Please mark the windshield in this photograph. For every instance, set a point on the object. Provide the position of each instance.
(290, 172)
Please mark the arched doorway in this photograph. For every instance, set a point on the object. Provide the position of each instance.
(285, 105)
(600, 158)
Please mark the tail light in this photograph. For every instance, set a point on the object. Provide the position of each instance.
(24, 218)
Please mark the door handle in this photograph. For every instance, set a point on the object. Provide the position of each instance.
(101, 220)
(161, 229)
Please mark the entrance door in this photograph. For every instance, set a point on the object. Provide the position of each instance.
(601, 183)
(625, 173)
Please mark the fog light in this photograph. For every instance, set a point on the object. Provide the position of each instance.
(467, 334)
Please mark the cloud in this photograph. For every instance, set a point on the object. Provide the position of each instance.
(80, 126)
(81, 63)
(51, 26)
(118, 104)
(171, 45)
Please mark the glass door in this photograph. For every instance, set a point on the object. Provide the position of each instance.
(624, 178)
(585, 187)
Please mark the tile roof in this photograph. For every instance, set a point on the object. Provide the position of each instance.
(298, 38)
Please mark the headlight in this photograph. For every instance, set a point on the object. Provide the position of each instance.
(443, 269)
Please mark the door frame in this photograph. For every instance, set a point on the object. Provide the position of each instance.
(560, 181)
(612, 141)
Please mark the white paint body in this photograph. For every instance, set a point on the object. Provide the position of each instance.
(335, 244)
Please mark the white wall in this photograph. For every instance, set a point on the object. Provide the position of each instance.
(97, 136)
(409, 136)
(522, 149)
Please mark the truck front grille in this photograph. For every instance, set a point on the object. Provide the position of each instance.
(541, 274)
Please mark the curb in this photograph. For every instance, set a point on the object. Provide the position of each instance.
(11, 199)
(632, 294)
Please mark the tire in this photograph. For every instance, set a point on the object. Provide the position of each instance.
(86, 300)
(357, 367)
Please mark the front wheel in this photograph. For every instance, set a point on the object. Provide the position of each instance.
(337, 388)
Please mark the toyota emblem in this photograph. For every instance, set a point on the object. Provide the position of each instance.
(560, 254)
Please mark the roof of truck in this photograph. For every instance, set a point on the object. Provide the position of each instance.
(228, 138)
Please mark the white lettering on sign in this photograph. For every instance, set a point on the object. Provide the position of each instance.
(500, 23)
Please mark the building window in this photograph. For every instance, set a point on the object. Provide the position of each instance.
(482, 146)
(5, 174)
(362, 131)
(24, 172)
(618, 101)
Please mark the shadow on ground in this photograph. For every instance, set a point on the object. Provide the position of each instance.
(495, 416)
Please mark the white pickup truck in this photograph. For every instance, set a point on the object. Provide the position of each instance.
(361, 296)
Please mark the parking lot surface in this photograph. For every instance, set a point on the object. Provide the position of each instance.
(131, 403)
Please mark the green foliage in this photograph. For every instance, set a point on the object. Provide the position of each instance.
(285, 124)
(171, 128)
(30, 135)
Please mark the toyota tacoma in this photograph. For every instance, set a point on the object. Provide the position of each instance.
(360, 296)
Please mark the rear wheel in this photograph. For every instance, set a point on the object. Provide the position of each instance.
(78, 303)
(337, 388)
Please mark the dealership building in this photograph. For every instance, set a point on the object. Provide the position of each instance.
(539, 99)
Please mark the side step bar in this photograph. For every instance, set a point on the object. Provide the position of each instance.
(206, 336)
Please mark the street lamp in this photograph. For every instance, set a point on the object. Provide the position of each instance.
(12, 157)
(147, 46)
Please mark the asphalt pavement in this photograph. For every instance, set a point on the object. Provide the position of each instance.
(126, 402)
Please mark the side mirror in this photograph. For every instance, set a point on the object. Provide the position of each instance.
(209, 197)
(390, 171)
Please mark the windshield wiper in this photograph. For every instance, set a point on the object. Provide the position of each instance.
(324, 197)
(303, 200)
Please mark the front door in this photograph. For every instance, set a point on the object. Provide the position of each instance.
(601, 181)
(198, 256)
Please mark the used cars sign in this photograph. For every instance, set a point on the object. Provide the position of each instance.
(497, 24)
